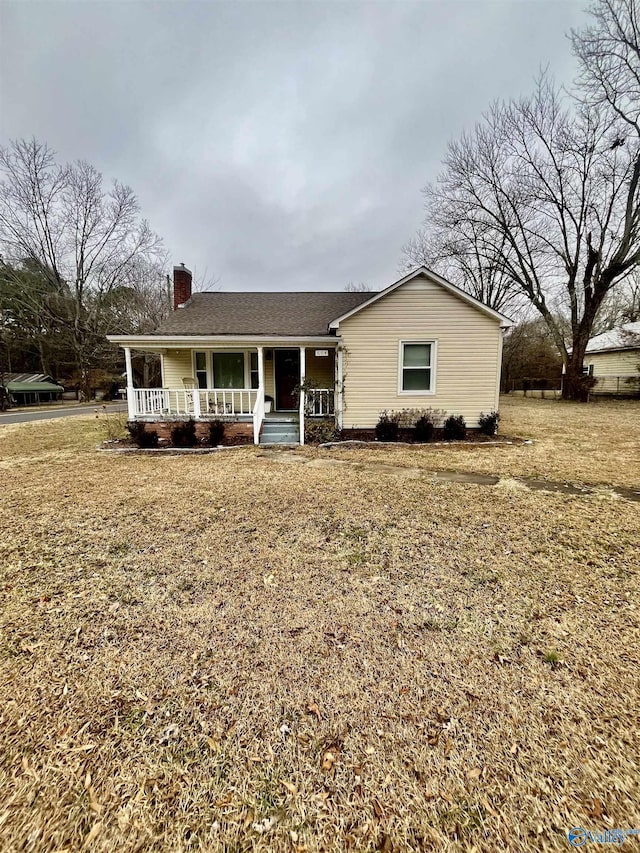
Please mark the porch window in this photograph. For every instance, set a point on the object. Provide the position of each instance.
(255, 376)
(228, 370)
(201, 369)
(417, 367)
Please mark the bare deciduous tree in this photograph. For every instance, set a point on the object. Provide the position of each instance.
(557, 204)
(88, 239)
(545, 192)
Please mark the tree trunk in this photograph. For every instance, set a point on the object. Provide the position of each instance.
(85, 384)
(575, 385)
(84, 372)
(44, 364)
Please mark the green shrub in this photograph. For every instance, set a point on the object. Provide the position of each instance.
(216, 433)
(424, 429)
(140, 436)
(408, 418)
(184, 434)
(488, 424)
(455, 429)
(387, 427)
(319, 431)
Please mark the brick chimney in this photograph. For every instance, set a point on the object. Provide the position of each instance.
(181, 286)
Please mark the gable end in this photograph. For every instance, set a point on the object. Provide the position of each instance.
(504, 321)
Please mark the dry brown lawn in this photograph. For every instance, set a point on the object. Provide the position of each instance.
(226, 653)
(594, 444)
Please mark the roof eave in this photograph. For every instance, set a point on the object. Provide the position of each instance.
(629, 347)
(163, 341)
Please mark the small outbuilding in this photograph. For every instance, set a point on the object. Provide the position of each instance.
(32, 388)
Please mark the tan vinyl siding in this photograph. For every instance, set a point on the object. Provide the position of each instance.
(468, 345)
(320, 369)
(176, 365)
(269, 384)
(616, 363)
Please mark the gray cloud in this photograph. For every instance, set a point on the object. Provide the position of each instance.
(273, 145)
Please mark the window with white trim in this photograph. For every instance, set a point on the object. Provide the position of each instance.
(253, 369)
(417, 367)
(201, 368)
(228, 370)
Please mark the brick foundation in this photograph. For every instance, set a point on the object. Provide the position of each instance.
(405, 434)
(234, 433)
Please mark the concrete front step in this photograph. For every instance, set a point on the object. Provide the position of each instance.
(278, 425)
(281, 429)
(280, 438)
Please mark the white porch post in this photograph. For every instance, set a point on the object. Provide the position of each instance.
(338, 386)
(302, 375)
(131, 403)
(258, 416)
(261, 368)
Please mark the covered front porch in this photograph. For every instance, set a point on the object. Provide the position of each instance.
(241, 384)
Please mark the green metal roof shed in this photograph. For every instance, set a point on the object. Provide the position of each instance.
(29, 388)
(34, 387)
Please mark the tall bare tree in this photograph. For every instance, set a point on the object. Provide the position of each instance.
(88, 238)
(551, 184)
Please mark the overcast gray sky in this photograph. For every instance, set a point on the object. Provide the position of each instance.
(274, 146)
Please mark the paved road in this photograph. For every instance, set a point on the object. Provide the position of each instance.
(23, 416)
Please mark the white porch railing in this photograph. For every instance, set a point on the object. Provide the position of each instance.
(194, 402)
(319, 402)
(229, 401)
(258, 415)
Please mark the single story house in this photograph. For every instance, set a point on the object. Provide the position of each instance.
(264, 362)
(613, 359)
(31, 388)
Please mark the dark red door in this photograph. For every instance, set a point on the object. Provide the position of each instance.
(287, 376)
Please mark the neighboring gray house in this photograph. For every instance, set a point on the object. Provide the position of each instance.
(613, 359)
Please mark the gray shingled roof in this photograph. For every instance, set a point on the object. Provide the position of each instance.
(260, 313)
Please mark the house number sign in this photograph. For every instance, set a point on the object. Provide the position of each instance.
(322, 352)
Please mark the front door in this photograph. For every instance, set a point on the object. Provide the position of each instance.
(287, 376)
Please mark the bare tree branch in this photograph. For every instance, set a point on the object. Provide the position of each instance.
(89, 240)
(542, 196)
